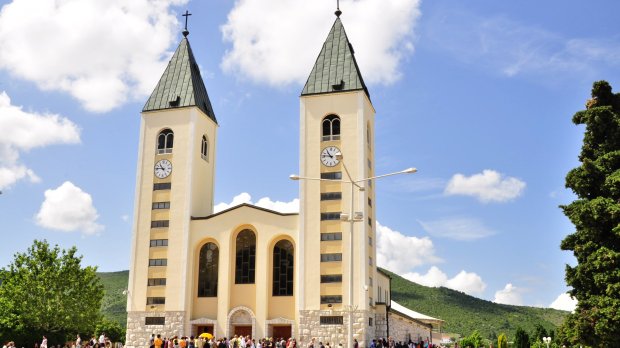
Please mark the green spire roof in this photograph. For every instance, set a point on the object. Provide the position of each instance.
(181, 84)
(335, 69)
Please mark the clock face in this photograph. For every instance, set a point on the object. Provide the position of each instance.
(163, 168)
(328, 156)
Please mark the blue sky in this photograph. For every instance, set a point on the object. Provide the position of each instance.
(477, 95)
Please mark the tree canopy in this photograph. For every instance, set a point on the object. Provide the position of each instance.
(45, 291)
(595, 280)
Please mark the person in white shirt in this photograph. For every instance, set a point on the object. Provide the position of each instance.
(102, 340)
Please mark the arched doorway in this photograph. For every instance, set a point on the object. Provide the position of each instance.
(241, 322)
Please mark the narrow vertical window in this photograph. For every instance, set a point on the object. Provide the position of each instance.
(283, 256)
(208, 263)
(245, 257)
(331, 128)
(204, 149)
(165, 141)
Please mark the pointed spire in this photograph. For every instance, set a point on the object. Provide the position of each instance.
(335, 69)
(181, 84)
(338, 12)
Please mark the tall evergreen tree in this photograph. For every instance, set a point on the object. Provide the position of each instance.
(595, 280)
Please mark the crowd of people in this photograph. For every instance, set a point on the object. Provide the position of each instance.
(157, 341)
(208, 341)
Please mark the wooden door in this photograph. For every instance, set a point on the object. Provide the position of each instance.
(282, 331)
(243, 330)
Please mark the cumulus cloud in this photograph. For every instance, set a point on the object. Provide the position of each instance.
(23, 131)
(68, 208)
(510, 295)
(286, 38)
(400, 253)
(265, 202)
(101, 52)
(459, 228)
(564, 302)
(488, 186)
(467, 282)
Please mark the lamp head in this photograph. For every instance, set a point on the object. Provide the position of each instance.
(410, 170)
(294, 177)
(339, 155)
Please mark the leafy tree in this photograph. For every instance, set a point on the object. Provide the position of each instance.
(112, 329)
(539, 333)
(474, 340)
(45, 291)
(595, 280)
(522, 339)
(502, 341)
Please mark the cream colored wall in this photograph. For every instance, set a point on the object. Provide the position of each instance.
(223, 229)
(354, 110)
(191, 180)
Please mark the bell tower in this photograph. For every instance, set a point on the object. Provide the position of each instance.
(175, 181)
(337, 117)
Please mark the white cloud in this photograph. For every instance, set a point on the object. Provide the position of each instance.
(265, 202)
(510, 295)
(488, 186)
(102, 52)
(467, 282)
(459, 228)
(400, 253)
(68, 208)
(564, 302)
(285, 39)
(23, 131)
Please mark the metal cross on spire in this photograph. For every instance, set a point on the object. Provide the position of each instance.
(186, 15)
(338, 12)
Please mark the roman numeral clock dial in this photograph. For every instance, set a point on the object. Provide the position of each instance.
(163, 168)
(328, 156)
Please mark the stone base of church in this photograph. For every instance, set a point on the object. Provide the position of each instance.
(310, 327)
(138, 333)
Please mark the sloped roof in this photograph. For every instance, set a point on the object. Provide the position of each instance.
(412, 314)
(335, 69)
(181, 84)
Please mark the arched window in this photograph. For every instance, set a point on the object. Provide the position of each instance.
(368, 134)
(283, 256)
(204, 149)
(165, 140)
(331, 128)
(245, 258)
(207, 270)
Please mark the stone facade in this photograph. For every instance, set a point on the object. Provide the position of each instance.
(310, 327)
(381, 326)
(403, 329)
(138, 333)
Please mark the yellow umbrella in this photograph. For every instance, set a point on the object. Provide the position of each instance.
(206, 335)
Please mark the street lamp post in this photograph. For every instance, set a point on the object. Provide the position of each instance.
(351, 218)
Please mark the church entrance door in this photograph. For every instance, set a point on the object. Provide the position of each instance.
(243, 330)
(204, 328)
(282, 331)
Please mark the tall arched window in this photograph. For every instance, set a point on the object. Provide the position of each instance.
(204, 149)
(165, 140)
(283, 256)
(207, 270)
(245, 258)
(331, 128)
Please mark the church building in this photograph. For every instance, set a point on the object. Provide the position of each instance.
(249, 270)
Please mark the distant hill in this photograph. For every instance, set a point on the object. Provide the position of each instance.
(114, 305)
(462, 313)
